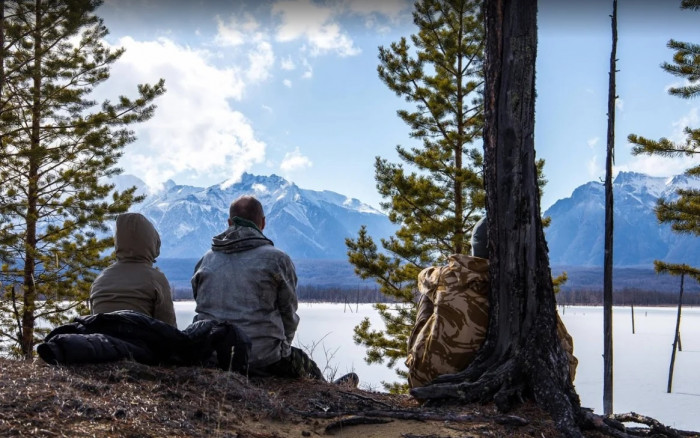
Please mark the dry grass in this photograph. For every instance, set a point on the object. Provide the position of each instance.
(127, 399)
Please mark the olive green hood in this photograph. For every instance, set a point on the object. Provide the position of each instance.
(136, 239)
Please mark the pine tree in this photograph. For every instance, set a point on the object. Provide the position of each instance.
(437, 204)
(683, 213)
(59, 147)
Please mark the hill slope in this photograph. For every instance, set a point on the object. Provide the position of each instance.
(127, 399)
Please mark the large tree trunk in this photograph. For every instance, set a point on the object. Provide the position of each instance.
(522, 356)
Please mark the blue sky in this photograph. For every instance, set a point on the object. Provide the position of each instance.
(290, 87)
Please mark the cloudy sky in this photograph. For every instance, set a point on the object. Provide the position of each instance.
(290, 87)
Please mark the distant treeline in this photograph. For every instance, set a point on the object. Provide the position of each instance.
(316, 293)
(624, 297)
(627, 297)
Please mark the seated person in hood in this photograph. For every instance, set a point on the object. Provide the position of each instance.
(245, 280)
(132, 283)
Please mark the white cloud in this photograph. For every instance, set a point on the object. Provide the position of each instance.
(235, 32)
(287, 83)
(659, 166)
(245, 35)
(692, 120)
(315, 23)
(261, 61)
(194, 130)
(288, 64)
(594, 167)
(308, 69)
(295, 161)
(668, 166)
(593, 142)
(390, 8)
(620, 104)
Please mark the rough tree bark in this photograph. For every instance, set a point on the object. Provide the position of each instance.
(521, 356)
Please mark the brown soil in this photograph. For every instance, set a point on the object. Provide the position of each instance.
(127, 399)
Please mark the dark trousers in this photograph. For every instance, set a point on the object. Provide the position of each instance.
(298, 364)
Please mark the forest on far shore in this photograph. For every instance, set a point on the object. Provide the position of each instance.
(585, 297)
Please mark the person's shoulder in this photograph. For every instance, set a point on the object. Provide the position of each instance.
(156, 272)
(274, 252)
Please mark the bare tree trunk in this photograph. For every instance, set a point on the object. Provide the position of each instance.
(633, 316)
(608, 259)
(676, 337)
(521, 356)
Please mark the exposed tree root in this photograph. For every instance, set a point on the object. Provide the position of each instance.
(507, 384)
(655, 427)
(423, 415)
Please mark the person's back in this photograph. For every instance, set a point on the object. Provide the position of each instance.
(132, 283)
(244, 279)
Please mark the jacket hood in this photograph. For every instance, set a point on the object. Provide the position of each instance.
(241, 236)
(136, 239)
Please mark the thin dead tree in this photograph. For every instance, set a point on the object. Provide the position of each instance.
(608, 258)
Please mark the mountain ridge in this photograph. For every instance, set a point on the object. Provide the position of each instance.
(312, 224)
(575, 236)
(304, 223)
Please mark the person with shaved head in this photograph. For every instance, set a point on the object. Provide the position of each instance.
(244, 279)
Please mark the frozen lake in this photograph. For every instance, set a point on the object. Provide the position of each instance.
(641, 360)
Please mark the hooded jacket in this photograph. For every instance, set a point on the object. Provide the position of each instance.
(132, 283)
(245, 280)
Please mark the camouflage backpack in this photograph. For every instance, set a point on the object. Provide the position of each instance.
(452, 319)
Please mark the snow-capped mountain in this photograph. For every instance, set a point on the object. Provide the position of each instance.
(576, 234)
(306, 224)
(310, 224)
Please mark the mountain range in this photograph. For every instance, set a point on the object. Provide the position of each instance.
(576, 234)
(310, 224)
(306, 224)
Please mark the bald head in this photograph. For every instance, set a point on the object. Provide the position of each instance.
(249, 208)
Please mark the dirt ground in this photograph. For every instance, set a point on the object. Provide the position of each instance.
(127, 399)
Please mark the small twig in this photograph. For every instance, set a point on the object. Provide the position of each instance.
(354, 421)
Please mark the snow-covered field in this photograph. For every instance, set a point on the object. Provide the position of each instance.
(641, 360)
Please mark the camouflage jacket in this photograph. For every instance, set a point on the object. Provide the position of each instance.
(452, 319)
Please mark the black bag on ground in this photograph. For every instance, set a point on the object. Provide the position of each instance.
(126, 334)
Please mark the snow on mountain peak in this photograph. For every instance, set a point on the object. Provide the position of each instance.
(259, 188)
(638, 183)
(684, 182)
